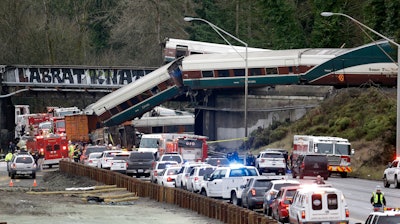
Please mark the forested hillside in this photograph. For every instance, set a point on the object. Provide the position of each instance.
(365, 116)
(131, 32)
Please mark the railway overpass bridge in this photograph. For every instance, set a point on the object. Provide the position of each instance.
(66, 86)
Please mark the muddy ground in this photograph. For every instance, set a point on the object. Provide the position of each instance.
(18, 206)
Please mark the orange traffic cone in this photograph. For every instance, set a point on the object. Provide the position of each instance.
(34, 183)
(11, 183)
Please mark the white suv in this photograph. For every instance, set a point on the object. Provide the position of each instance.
(172, 157)
(271, 161)
(183, 174)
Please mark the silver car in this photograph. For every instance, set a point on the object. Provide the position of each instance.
(22, 164)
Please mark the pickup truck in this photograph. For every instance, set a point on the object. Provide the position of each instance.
(386, 217)
(225, 182)
(391, 175)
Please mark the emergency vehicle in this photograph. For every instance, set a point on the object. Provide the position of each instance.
(191, 147)
(338, 151)
(53, 147)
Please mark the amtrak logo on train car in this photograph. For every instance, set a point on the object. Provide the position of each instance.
(78, 76)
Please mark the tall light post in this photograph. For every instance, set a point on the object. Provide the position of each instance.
(398, 70)
(218, 30)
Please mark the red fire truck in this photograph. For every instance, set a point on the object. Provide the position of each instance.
(191, 147)
(53, 147)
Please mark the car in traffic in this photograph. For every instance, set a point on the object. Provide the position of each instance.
(391, 175)
(167, 176)
(253, 191)
(119, 162)
(92, 159)
(140, 163)
(280, 204)
(388, 216)
(217, 161)
(22, 164)
(196, 177)
(90, 149)
(311, 165)
(183, 175)
(172, 157)
(104, 161)
(270, 161)
(272, 189)
(319, 204)
(160, 166)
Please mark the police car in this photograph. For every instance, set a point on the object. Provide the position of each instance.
(389, 216)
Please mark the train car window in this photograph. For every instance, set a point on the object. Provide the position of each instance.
(195, 52)
(114, 110)
(134, 101)
(146, 95)
(255, 71)
(181, 50)
(223, 73)
(290, 70)
(125, 105)
(238, 72)
(207, 74)
(271, 71)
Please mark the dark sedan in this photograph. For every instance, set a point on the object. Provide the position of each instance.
(253, 191)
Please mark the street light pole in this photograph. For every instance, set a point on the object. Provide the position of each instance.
(398, 71)
(218, 30)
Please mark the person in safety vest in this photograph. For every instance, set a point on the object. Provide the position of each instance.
(378, 198)
(8, 159)
(71, 149)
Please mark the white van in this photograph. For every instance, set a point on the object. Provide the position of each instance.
(322, 204)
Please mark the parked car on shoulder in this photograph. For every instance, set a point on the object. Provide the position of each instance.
(254, 189)
(196, 177)
(140, 163)
(167, 176)
(272, 189)
(160, 166)
(310, 165)
(281, 203)
(22, 164)
(92, 159)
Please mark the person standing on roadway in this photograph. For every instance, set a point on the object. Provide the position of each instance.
(8, 159)
(378, 198)
(71, 149)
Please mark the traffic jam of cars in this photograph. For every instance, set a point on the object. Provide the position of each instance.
(271, 182)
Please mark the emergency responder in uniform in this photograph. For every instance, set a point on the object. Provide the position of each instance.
(77, 153)
(8, 159)
(319, 180)
(71, 149)
(378, 199)
(40, 160)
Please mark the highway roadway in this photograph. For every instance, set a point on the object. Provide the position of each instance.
(357, 191)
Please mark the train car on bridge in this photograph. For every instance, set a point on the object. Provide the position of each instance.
(137, 98)
(176, 48)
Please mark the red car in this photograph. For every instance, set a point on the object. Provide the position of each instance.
(281, 203)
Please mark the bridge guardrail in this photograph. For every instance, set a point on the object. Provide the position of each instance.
(209, 207)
